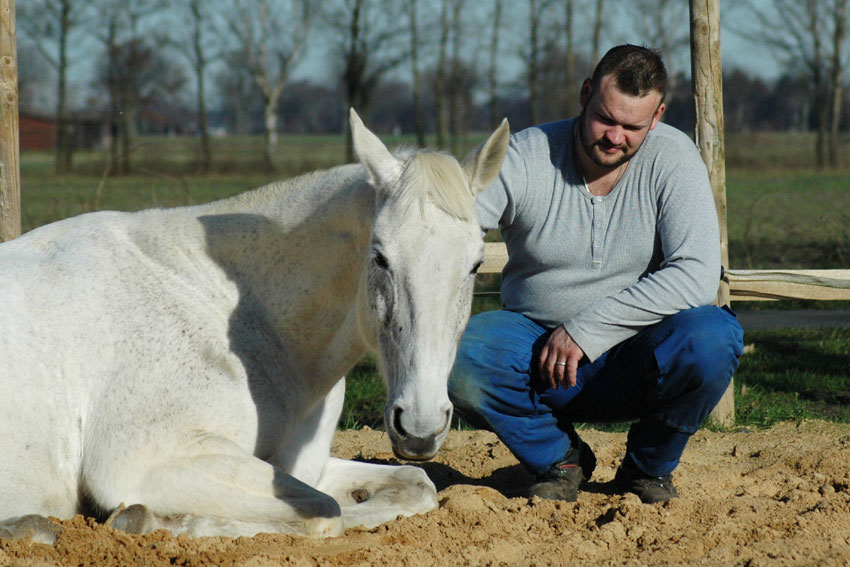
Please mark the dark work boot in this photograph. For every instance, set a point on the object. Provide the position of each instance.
(650, 489)
(561, 481)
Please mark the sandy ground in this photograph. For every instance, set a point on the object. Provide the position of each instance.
(777, 497)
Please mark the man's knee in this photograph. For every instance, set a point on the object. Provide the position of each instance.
(494, 345)
(703, 347)
(469, 371)
(465, 379)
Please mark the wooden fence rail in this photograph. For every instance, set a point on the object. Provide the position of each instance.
(744, 285)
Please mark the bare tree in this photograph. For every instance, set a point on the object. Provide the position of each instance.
(597, 32)
(139, 73)
(570, 79)
(816, 65)
(34, 79)
(495, 59)
(122, 29)
(198, 43)
(51, 26)
(536, 49)
(795, 30)
(369, 37)
(418, 113)
(453, 77)
(272, 34)
(664, 25)
(240, 94)
(442, 72)
(460, 75)
(839, 27)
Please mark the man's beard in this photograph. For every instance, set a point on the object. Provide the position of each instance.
(589, 147)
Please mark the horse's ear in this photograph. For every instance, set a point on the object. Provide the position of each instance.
(384, 170)
(482, 165)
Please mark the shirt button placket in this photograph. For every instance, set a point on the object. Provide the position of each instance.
(596, 233)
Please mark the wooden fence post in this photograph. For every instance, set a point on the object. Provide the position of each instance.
(707, 77)
(10, 170)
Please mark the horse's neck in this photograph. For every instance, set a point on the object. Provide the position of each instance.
(295, 251)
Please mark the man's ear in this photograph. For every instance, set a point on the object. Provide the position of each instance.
(658, 112)
(585, 92)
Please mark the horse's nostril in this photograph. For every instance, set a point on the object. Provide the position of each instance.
(399, 428)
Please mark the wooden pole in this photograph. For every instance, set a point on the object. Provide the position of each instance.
(706, 74)
(10, 170)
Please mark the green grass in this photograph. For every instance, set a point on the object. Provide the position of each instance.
(791, 219)
(782, 213)
(365, 394)
(794, 375)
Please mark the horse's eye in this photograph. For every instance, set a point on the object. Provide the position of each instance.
(381, 261)
(476, 267)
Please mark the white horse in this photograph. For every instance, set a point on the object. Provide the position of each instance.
(188, 363)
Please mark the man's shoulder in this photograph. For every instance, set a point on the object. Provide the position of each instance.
(550, 134)
(670, 147)
(666, 136)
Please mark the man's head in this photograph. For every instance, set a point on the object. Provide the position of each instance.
(621, 103)
(636, 70)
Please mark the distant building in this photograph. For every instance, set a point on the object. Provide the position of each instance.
(38, 132)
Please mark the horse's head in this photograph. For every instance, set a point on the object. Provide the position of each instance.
(426, 246)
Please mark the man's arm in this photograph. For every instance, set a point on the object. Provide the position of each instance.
(687, 277)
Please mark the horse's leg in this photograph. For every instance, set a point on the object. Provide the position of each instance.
(306, 451)
(371, 494)
(221, 491)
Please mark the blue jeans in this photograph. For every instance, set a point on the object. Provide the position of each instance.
(666, 379)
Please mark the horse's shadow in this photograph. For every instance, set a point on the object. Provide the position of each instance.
(511, 481)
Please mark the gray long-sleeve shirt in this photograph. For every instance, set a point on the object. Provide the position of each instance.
(604, 267)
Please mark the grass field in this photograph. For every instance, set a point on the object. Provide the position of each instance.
(782, 213)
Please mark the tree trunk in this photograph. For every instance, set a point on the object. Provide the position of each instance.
(128, 119)
(64, 139)
(115, 107)
(455, 104)
(533, 56)
(492, 76)
(203, 125)
(200, 70)
(440, 87)
(818, 97)
(570, 67)
(271, 133)
(839, 18)
(418, 115)
(10, 169)
(597, 32)
(709, 135)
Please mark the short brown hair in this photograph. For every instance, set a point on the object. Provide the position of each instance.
(636, 70)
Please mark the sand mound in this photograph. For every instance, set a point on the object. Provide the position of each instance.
(776, 497)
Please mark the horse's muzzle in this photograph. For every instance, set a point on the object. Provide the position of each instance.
(411, 446)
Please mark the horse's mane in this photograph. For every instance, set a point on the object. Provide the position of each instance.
(427, 176)
(437, 177)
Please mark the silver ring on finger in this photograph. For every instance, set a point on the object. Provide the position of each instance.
(559, 363)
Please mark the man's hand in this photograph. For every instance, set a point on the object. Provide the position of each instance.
(559, 359)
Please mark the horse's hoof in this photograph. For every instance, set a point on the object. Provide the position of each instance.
(136, 519)
(38, 528)
(323, 527)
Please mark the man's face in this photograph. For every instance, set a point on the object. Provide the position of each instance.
(614, 124)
